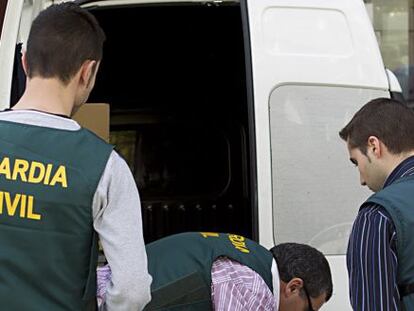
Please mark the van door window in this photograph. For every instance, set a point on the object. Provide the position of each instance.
(316, 193)
(3, 4)
(393, 26)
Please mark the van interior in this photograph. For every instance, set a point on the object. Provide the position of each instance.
(176, 80)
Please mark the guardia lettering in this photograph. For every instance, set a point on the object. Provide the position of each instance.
(33, 172)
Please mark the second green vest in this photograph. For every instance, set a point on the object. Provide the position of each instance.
(398, 200)
(181, 264)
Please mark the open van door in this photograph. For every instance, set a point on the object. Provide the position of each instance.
(17, 19)
(314, 63)
(12, 11)
(3, 4)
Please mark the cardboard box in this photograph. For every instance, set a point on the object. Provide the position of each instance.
(94, 117)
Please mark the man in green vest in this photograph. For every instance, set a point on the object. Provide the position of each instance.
(61, 186)
(205, 270)
(380, 141)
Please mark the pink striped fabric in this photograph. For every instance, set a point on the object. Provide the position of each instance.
(236, 287)
(103, 275)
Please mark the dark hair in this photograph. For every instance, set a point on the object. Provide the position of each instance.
(304, 262)
(389, 120)
(61, 39)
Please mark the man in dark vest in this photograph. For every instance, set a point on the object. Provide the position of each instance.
(61, 186)
(380, 141)
(204, 270)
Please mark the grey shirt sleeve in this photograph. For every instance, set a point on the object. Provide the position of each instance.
(118, 222)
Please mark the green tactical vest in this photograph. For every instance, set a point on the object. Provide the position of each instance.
(180, 266)
(48, 248)
(398, 200)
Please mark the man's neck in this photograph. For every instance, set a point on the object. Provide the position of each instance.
(393, 162)
(48, 95)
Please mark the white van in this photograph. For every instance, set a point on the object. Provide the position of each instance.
(228, 112)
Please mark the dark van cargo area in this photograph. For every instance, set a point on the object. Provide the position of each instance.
(175, 78)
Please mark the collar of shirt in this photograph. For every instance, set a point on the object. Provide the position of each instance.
(54, 114)
(275, 283)
(405, 168)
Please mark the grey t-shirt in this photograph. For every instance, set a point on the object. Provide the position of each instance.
(117, 220)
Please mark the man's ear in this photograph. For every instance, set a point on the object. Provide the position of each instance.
(374, 146)
(24, 62)
(87, 72)
(293, 287)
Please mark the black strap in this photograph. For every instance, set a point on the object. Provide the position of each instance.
(406, 289)
(53, 114)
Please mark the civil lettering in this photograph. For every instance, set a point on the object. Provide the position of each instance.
(30, 213)
(238, 243)
(23, 206)
(235, 237)
(10, 204)
(209, 234)
(242, 249)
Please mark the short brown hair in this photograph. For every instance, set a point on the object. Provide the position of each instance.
(61, 38)
(389, 120)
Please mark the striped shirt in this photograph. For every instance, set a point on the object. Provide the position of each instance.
(234, 287)
(372, 254)
(103, 277)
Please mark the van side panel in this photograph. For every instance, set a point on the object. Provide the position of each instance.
(306, 42)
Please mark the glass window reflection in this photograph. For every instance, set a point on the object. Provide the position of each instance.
(393, 25)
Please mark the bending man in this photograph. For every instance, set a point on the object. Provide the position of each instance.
(204, 271)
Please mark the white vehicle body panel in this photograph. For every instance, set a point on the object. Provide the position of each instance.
(279, 58)
(317, 43)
